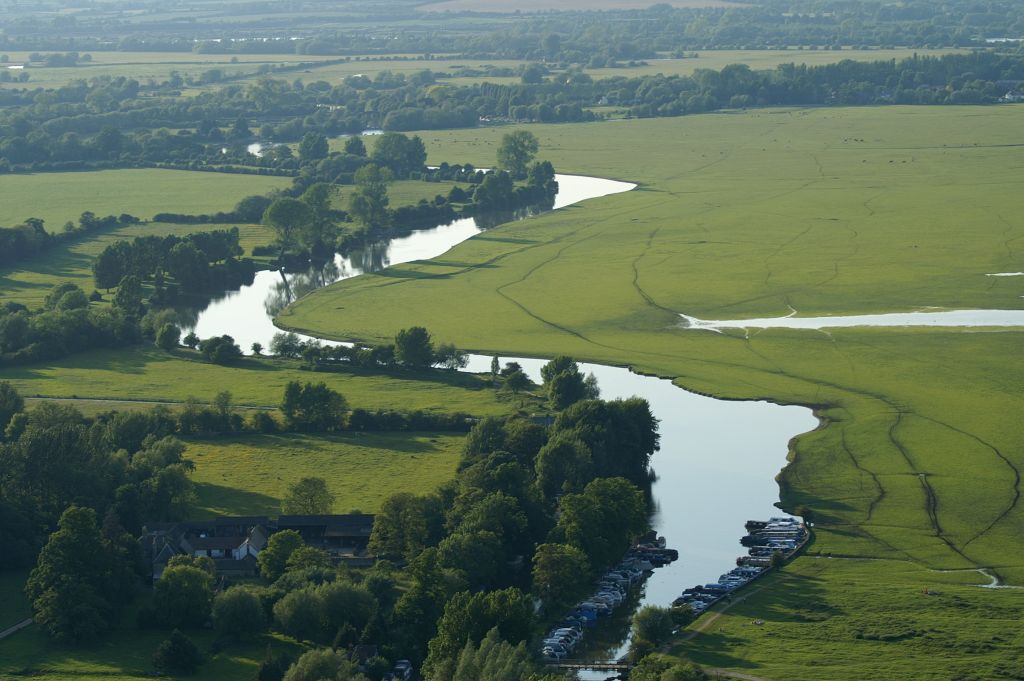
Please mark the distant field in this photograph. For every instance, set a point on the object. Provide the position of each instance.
(250, 475)
(59, 197)
(146, 373)
(29, 282)
(758, 60)
(144, 66)
(549, 5)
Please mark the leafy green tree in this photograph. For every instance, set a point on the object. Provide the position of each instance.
(479, 554)
(313, 147)
(238, 614)
(354, 146)
(563, 465)
(191, 340)
(559, 574)
(368, 204)
(129, 294)
(558, 365)
(517, 382)
(177, 655)
(622, 435)
(320, 664)
(168, 337)
(399, 153)
(111, 265)
(566, 389)
(322, 230)
(653, 624)
(272, 667)
(494, 659)
(467, 619)
(516, 151)
(11, 403)
(274, 557)
(183, 596)
(301, 614)
(664, 668)
(313, 407)
(450, 357)
(220, 349)
(187, 264)
(257, 348)
(603, 520)
(306, 558)
(289, 218)
(405, 524)
(76, 583)
(347, 604)
(308, 496)
(414, 348)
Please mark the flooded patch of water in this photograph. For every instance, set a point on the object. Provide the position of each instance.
(950, 318)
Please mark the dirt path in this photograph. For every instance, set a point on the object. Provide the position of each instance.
(16, 628)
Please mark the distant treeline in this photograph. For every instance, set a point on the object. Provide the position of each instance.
(108, 123)
(578, 36)
(29, 238)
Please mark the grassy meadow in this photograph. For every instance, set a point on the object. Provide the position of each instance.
(127, 653)
(28, 282)
(250, 475)
(145, 66)
(150, 374)
(59, 197)
(752, 214)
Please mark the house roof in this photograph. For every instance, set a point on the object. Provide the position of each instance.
(224, 543)
(351, 521)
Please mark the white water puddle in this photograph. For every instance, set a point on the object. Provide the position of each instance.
(951, 318)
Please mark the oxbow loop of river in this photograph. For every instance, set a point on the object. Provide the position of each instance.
(718, 459)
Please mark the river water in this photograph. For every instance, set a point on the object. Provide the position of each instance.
(718, 459)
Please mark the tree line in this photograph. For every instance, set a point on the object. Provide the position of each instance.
(21, 242)
(579, 36)
(108, 124)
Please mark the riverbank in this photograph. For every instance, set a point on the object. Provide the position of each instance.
(736, 216)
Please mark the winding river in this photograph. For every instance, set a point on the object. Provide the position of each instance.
(718, 459)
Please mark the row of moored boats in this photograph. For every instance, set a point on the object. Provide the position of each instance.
(609, 593)
(764, 539)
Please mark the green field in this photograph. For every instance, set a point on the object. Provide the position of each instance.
(710, 59)
(833, 618)
(826, 211)
(126, 654)
(144, 373)
(145, 66)
(12, 595)
(30, 281)
(59, 197)
(250, 475)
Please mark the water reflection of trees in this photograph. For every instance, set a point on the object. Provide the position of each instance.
(494, 218)
(294, 285)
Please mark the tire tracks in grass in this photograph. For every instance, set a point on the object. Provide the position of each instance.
(874, 477)
(1003, 457)
(931, 498)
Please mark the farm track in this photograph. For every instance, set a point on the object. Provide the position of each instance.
(1003, 457)
(874, 478)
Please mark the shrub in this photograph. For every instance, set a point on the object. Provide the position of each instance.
(178, 654)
